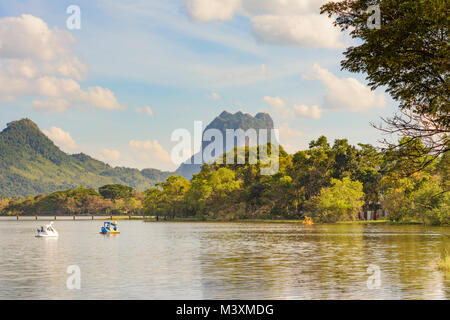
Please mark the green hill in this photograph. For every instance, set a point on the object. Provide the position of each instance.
(31, 164)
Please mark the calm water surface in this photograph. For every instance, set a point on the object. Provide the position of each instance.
(222, 261)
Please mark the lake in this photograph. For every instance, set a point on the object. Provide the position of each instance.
(223, 261)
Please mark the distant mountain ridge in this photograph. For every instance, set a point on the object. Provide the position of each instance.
(224, 121)
(31, 164)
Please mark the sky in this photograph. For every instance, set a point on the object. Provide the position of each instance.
(136, 70)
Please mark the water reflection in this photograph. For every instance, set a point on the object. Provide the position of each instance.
(222, 260)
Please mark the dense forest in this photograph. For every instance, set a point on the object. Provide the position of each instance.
(328, 182)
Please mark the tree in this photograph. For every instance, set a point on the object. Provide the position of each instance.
(311, 168)
(410, 153)
(342, 201)
(95, 204)
(443, 169)
(210, 189)
(4, 202)
(418, 197)
(395, 200)
(174, 189)
(153, 202)
(409, 55)
(429, 203)
(116, 191)
(198, 193)
(344, 156)
(367, 169)
(222, 182)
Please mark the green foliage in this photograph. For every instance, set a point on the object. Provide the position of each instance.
(167, 199)
(74, 201)
(154, 202)
(115, 191)
(444, 262)
(422, 196)
(418, 197)
(210, 191)
(341, 201)
(328, 182)
(4, 202)
(409, 54)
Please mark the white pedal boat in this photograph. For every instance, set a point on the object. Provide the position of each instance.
(47, 231)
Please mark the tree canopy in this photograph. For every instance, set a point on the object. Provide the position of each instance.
(115, 191)
(330, 182)
(409, 56)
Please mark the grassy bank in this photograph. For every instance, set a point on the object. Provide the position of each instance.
(219, 220)
(193, 219)
(120, 218)
(444, 263)
(381, 222)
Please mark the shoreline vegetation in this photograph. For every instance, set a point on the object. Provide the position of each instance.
(201, 220)
(153, 219)
(444, 262)
(330, 183)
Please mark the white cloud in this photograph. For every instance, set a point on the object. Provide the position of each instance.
(346, 93)
(29, 37)
(286, 132)
(242, 75)
(146, 110)
(275, 102)
(301, 110)
(313, 112)
(111, 154)
(207, 10)
(51, 105)
(101, 98)
(306, 30)
(37, 61)
(214, 96)
(281, 7)
(26, 40)
(279, 22)
(151, 153)
(61, 138)
(290, 139)
(68, 88)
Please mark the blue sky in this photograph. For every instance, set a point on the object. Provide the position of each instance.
(137, 70)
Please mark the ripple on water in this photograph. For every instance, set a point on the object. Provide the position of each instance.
(222, 260)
